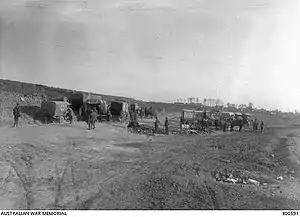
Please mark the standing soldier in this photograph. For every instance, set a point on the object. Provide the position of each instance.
(17, 114)
(224, 125)
(204, 114)
(262, 126)
(255, 125)
(108, 115)
(156, 125)
(167, 126)
(89, 117)
(94, 118)
(68, 114)
(80, 113)
(142, 112)
(145, 112)
(216, 124)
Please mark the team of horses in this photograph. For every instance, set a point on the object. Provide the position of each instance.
(225, 120)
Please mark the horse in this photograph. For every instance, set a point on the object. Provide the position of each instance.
(239, 121)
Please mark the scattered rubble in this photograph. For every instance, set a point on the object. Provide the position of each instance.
(237, 179)
(279, 178)
(225, 177)
(140, 129)
(149, 130)
(252, 181)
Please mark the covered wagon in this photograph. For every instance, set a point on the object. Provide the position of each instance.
(193, 119)
(100, 106)
(119, 110)
(81, 102)
(54, 110)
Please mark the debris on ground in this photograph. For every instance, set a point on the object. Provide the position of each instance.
(235, 179)
(191, 131)
(140, 129)
(252, 181)
(149, 130)
(228, 177)
(279, 178)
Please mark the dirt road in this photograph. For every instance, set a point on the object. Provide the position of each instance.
(67, 167)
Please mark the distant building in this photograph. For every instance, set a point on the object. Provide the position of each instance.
(212, 102)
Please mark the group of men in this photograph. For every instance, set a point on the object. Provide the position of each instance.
(261, 124)
(166, 124)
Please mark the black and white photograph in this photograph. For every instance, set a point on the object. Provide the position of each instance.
(149, 105)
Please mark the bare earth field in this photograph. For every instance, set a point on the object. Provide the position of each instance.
(69, 167)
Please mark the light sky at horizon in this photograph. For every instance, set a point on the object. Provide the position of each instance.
(237, 50)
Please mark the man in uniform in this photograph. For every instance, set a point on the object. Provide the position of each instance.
(17, 114)
(167, 126)
(216, 124)
(156, 125)
(69, 115)
(94, 118)
(204, 114)
(80, 112)
(255, 125)
(262, 126)
(89, 118)
(224, 125)
(108, 115)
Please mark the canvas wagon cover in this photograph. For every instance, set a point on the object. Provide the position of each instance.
(116, 107)
(227, 114)
(103, 106)
(54, 108)
(199, 115)
(188, 114)
(93, 101)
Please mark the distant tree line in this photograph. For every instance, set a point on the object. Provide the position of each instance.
(217, 103)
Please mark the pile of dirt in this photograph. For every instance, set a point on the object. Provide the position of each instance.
(29, 105)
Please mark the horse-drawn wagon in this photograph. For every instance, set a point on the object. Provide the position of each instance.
(194, 119)
(54, 111)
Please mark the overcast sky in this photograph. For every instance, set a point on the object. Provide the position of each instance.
(236, 50)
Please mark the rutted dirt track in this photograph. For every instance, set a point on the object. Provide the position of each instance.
(68, 167)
